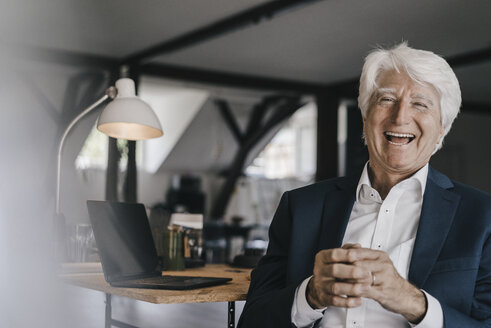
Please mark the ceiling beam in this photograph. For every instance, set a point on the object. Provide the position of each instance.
(251, 16)
(347, 88)
(252, 82)
(470, 58)
(476, 107)
(229, 118)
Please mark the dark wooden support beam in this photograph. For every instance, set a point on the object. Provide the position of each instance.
(234, 172)
(345, 89)
(256, 117)
(476, 107)
(113, 157)
(229, 119)
(251, 16)
(470, 58)
(130, 187)
(220, 78)
(285, 109)
(327, 135)
(328, 101)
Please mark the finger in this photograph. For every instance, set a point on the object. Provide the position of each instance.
(342, 271)
(348, 246)
(378, 274)
(376, 266)
(366, 254)
(366, 281)
(338, 255)
(346, 289)
(345, 302)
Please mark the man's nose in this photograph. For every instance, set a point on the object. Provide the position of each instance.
(401, 113)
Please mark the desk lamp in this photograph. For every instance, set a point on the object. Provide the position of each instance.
(126, 117)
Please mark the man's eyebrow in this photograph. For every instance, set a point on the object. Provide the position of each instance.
(422, 96)
(380, 91)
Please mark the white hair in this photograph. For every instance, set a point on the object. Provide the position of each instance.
(421, 66)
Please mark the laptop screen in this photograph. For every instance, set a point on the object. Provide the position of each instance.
(124, 239)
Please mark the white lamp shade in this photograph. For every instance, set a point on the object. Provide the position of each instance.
(129, 117)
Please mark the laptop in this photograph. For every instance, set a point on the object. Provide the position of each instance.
(128, 255)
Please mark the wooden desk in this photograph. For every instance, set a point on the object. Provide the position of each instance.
(235, 290)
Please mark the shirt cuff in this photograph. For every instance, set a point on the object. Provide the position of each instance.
(434, 314)
(303, 315)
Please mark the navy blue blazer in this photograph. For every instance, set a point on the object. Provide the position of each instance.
(451, 258)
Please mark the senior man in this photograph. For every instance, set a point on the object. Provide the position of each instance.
(401, 245)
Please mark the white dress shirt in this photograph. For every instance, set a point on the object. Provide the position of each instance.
(389, 225)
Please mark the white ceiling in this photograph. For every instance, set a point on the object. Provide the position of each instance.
(108, 27)
(324, 41)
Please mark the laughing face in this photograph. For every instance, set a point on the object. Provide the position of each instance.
(402, 125)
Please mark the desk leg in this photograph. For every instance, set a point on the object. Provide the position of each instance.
(108, 311)
(110, 322)
(231, 315)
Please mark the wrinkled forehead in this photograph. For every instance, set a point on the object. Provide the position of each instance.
(396, 81)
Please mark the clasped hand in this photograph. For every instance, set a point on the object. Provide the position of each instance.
(342, 276)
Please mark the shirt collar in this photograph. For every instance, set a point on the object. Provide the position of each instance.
(420, 176)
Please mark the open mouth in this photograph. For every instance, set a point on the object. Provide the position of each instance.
(399, 139)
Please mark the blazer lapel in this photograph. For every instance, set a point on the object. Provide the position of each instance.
(437, 213)
(336, 213)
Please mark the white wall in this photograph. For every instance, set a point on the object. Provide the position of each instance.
(31, 295)
(175, 108)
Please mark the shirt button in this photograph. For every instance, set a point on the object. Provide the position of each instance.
(386, 211)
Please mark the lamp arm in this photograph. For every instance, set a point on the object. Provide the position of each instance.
(110, 93)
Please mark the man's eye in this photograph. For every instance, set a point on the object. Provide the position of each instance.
(421, 105)
(385, 99)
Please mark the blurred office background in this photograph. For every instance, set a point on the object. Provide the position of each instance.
(255, 98)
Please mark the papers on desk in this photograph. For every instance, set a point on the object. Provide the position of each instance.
(193, 221)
